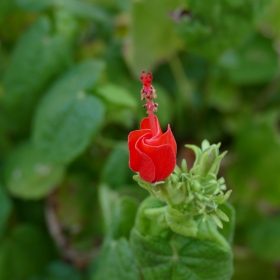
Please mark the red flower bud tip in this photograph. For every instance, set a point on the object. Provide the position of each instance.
(151, 152)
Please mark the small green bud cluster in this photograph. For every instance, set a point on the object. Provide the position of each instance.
(194, 192)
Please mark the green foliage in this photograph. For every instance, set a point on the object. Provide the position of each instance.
(115, 172)
(211, 29)
(29, 174)
(144, 52)
(116, 256)
(244, 68)
(164, 254)
(180, 258)
(269, 232)
(40, 53)
(116, 260)
(68, 117)
(5, 210)
(69, 97)
(31, 249)
(59, 271)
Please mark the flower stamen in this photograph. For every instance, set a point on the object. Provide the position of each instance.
(148, 93)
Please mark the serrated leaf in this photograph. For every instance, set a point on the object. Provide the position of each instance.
(29, 174)
(68, 118)
(116, 262)
(38, 56)
(180, 258)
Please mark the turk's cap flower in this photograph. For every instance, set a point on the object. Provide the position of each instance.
(152, 155)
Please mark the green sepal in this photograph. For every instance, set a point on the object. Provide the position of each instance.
(207, 230)
(221, 199)
(184, 166)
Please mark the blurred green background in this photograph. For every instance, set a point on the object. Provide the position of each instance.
(70, 94)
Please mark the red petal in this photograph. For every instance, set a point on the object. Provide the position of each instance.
(134, 157)
(165, 138)
(146, 167)
(163, 159)
(145, 124)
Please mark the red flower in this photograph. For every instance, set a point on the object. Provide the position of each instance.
(153, 155)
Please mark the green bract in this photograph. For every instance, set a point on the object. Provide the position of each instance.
(188, 194)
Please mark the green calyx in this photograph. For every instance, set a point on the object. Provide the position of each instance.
(191, 195)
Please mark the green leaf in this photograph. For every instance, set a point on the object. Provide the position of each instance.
(264, 238)
(118, 212)
(180, 258)
(222, 96)
(151, 17)
(116, 262)
(115, 171)
(270, 19)
(5, 7)
(76, 7)
(68, 118)
(59, 271)
(255, 62)
(38, 56)
(209, 30)
(123, 216)
(5, 210)
(33, 5)
(179, 223)
(116, 95)
(257, 147)
(24, 253)
(29, 174)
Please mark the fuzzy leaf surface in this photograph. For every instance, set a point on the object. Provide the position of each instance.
(182, 258)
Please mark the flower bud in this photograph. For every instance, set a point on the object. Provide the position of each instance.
(207, 160)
